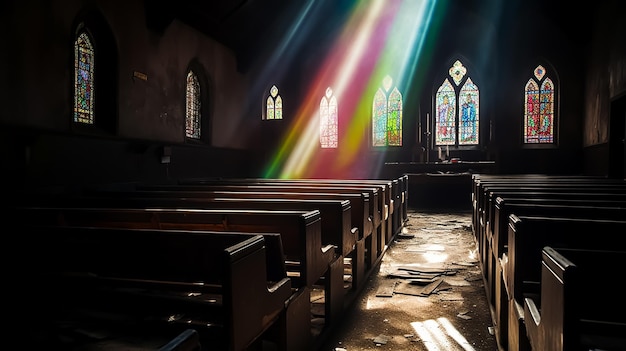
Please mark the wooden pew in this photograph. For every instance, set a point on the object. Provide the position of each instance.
(521, 265)
(307, 260)
(393, 192)
(336, 218)
(376, 195)
(570, 314)
(360, 203)
(359, 210)
(340, 221)
(534, 190)
(480, 181)
(581, 192)
(151, 284)
(497, 247)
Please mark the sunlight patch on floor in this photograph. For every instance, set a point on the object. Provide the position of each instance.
(440, 334)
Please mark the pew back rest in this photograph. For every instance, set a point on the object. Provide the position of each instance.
(527, 235)
(359, 202)
(300, 231)
(572, 312)
(556, 208)
(204, 279)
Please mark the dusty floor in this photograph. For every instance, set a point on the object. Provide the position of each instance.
(428, 293)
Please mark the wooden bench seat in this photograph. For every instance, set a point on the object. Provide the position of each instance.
(308, 262)
(359, 203)
(498, 245)
(112, 283)
(340, 221)
(480, 182)
(521, 264)
(394, 192)
(571, 313)
(377, 198)
(581, 193)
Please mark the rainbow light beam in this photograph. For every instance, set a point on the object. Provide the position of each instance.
(379, 38)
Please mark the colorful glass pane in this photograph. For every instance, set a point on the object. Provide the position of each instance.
(539, 109)
(278, 108)
(394, 118)
(84, 98)
(192, 111)
(531, 112)
(540, 72)
(445, 105)
(269, 108)
(546, 128)
(274, 105)
(457, 72)
(469, 106)
(328, 120)
(379, 118)
(387, 116)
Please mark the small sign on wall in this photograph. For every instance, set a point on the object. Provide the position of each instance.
(140, 75)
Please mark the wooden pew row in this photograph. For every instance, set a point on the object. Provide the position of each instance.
(521, 181)
(534, 190)
(580, 192)
(306, 259)
(360, 201)
(95, 288)
(395, 192)
(481, 180)
(586, 191)
(535, 207)
(521, 265)
(570, 314)
(386, 189)
(377, 200)
(336, 218)
(490, 192)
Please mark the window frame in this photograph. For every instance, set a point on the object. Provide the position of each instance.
(388, 92)
(105, 75)
(552, 74)
(469, 74)
(277, 98)
(205, 104)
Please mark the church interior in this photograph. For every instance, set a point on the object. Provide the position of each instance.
(304, 132)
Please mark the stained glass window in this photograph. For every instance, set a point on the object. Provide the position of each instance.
(192, 109)
(387, 115)
(274, 105)
(84, 97)
(328, 120)
(539, 108)
(457, 109)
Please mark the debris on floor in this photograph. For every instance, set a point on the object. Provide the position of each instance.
(381, 339)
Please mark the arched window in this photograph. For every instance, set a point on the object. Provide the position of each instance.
(274, 105)
(387, 115)
(84, 72)
(539, 108)
(457, 109)
(192, 106)
(328, 120)
(95, 70)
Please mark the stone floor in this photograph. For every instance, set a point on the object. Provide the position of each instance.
(427, 293)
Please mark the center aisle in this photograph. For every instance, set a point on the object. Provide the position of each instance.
(426, 295)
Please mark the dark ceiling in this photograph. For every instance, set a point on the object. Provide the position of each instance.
(238, 24)
(244, 25)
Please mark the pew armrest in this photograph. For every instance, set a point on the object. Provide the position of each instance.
(532, 322)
